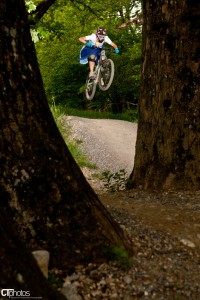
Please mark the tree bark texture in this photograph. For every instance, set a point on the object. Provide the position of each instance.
(42, 189)
(168, 143)
(19, 270)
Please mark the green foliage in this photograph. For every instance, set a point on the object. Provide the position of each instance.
(58, 52)
(30, 5)
(65, 130)
(58, 114)
(55, 280)
(114, 181)
(60, 109)
(121, 256)
(78, 155)
(129, 115)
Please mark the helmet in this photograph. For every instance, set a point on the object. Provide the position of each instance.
(101, 33)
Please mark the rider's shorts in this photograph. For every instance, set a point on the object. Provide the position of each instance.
(87, 52)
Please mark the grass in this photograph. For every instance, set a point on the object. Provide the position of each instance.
(122, 258)
(58, 114)
(65, 129)
(129, 115)
(78, 155)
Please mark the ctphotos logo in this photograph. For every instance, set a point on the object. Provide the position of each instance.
(13, 294)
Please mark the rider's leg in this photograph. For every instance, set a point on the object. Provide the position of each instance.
(91, 65)
(91, 61)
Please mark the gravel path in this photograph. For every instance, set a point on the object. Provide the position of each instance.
(164, 228)
(110, 144)
(166, 263)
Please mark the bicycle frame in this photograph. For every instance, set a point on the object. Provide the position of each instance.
(99, 68)
(98, 65)
(97, 72)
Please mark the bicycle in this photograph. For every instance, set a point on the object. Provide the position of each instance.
(104, 74)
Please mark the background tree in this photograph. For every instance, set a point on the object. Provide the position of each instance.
(58, 53)
(168, 144)
(43, 191)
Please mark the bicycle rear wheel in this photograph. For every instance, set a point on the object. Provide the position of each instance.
(106, 75)
(90, 88)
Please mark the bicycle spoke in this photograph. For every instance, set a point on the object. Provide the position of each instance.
(90, 88)
(106, 75)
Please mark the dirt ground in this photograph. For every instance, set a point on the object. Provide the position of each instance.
(164, 226)
(174, 213)
(110, 144)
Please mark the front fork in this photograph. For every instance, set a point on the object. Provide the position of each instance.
(97, 71)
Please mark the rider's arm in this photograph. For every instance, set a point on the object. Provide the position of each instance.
(83, 40)
(114, 45)
(91, 38)
(108, 41)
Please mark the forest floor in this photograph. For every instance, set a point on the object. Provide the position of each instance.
(165, 230)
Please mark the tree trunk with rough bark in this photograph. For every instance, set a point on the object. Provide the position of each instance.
(168, 143)
(43, 191)
(19, 270)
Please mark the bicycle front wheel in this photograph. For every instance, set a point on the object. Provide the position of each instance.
(106, 75)
(90, 88)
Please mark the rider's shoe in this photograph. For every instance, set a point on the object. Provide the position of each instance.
(92, 75)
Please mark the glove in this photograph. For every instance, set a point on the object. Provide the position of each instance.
(89, 44)
(116, 50)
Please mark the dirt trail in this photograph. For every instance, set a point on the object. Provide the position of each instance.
(110, 144)
(175, 213)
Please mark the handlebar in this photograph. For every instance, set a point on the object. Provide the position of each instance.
(110, 49)
(95, 47)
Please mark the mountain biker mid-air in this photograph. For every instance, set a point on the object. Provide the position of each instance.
(90, 53)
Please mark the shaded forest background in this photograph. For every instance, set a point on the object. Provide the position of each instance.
(56, 40)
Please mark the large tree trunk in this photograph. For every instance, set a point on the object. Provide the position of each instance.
(42, 189)
(19, 270)
(168, 143)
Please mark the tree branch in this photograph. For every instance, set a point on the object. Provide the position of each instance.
(46, 4)
(41, 10)
(85, 7)
(138, 21)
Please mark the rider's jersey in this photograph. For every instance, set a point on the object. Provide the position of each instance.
(92, 38)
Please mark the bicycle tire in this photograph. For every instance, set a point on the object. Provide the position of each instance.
(106, 75)
(90, 88)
